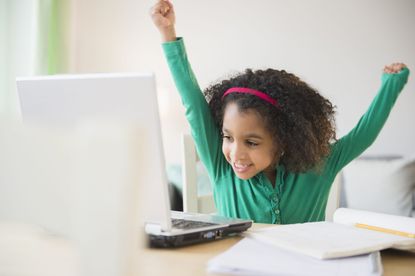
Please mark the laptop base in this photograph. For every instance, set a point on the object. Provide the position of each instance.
(170, 241)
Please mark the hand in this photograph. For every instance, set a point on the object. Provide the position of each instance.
(394, 68)
(162, 14)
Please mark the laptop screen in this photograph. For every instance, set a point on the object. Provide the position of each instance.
(70, 100)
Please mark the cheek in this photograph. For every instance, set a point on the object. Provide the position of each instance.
(266, 156)
(274, 156)
(226, 151)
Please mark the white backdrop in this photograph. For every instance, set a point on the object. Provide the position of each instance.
(338, 47)
(18, 48)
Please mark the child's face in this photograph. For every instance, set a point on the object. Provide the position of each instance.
(247, 144)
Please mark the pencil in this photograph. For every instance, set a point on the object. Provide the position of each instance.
(385, 230)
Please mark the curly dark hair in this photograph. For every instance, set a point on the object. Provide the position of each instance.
(302, 126)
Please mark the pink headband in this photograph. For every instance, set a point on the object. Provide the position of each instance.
(254, 92)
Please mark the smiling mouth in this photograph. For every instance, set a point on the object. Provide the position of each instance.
(240, 168)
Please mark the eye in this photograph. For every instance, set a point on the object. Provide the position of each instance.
(226, 137)
(252, 143)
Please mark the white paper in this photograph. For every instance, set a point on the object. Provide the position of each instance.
(326, 240)
(351, 217)
(251, 257)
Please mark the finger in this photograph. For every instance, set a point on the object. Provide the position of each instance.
(394, 68)
(165, 7)
(155, 10)
(160, 8)
(398, 67)
(168, 3)
(390, 69)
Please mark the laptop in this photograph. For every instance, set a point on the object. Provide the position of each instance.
(69, 100)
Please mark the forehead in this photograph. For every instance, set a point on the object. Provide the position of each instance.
(242, 121)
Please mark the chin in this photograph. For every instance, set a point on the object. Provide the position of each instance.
(244, 176)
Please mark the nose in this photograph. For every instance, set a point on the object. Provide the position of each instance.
(237, 152)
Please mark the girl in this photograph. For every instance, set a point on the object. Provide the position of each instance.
(266, 138)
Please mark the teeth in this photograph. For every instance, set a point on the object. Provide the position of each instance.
(240, 166)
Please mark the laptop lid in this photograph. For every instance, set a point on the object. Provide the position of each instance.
(69, 100)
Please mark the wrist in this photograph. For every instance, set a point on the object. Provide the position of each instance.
(168, 35)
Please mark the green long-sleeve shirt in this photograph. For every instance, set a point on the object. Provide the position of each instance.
(295, 197)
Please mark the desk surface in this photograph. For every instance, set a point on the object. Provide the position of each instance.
(192, 260)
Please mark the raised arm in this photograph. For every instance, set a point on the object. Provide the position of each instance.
(370, 124)
(203, 128)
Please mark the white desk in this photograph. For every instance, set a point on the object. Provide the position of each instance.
(49, 256)
(192, 260)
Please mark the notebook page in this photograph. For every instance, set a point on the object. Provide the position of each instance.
(242, 259)
(326, 240)
(351, 217)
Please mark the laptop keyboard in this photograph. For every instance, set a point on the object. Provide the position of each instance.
(189, 224)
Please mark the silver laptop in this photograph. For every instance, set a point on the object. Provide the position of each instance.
(69, 100)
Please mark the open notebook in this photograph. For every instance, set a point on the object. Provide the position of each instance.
(351, 233)
(242, 259)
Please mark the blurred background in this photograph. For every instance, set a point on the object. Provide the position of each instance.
(338, 47)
